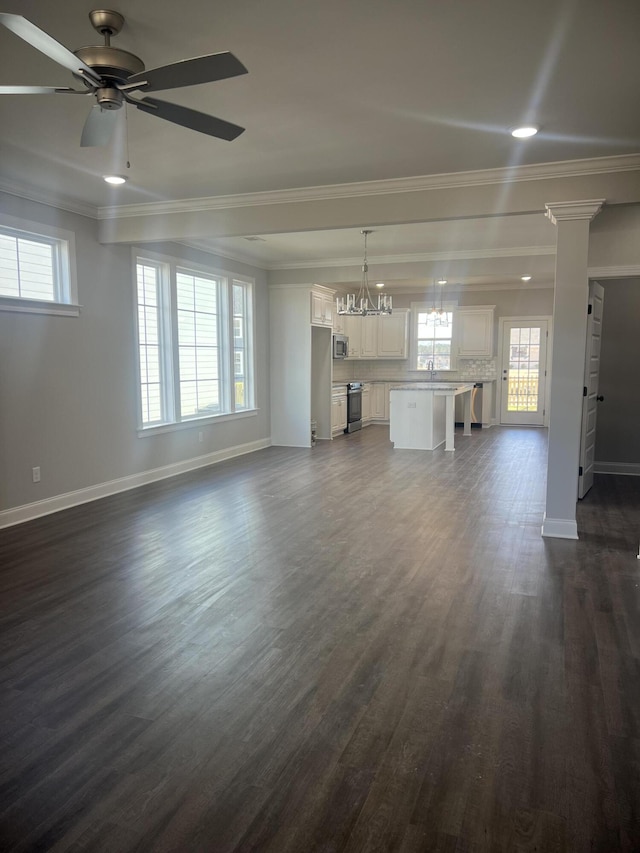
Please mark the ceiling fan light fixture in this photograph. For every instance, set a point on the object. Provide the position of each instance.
(115, 180)
(525, 132)
(442, 281)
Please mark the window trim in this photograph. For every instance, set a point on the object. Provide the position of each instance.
(422, 307)
(169, 266)
(66, 246)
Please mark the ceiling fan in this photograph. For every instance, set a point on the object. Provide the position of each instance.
(112, 75)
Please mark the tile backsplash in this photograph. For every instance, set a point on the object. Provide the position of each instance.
(469, 369)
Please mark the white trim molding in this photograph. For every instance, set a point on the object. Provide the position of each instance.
(446, 180)
(28, 512)
(632, 271)
(629, 469)
(40, 196)
(559, 528)
(561, 211)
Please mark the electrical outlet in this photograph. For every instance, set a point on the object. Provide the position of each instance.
(411, 405)
(36, 474)
(200, 437)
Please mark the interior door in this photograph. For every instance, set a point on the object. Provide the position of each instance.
(524, 372)
(590, 398)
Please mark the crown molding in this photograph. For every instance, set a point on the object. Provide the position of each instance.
(449, 180)
(614, 272)
(50, 199)
(454, 289)
(421, 257)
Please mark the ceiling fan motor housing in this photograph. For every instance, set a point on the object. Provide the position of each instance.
(109, 98)
(111, 63)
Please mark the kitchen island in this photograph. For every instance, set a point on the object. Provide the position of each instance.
(421, 415)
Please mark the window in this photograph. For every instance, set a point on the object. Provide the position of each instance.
(433, 337)
(36, 269)
(195, 334)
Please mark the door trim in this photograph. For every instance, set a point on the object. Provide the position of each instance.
(532, 318)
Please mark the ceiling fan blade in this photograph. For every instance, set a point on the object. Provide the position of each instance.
(189, 118)
(99, 127)
(188, 72)
(43, 42)
(41, 90)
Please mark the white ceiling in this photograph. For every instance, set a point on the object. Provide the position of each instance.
(337, 92)
(497, 250)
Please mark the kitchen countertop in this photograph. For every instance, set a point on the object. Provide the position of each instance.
(435, 386)
(412, 381)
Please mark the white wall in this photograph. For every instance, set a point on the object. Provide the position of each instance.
(67, 384)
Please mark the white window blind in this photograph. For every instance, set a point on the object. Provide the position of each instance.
(195, 342)
(149, 333)
(37, 270)
(28, 268)
(197, 303)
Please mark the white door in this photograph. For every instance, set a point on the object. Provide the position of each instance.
(590, 398)
(524, 372)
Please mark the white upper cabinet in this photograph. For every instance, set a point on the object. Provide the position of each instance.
(474, 331)
(369, 337)
(376, 336)
(392, 336)
(321, 308)
(353, 330)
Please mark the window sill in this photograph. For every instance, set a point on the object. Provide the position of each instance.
(38, 306)
(196, 423)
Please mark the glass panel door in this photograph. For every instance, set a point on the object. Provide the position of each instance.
(523, 373)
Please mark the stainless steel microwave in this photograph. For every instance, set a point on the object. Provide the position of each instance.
(340, 346)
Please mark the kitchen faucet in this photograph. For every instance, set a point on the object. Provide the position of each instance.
(430, 368)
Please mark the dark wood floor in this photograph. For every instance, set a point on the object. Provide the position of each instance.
(347, 648)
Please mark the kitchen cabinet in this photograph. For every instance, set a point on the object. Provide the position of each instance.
(353, 330)
(369, 336)
(300, 364)
(380, 401)
(338, 413)
(474, 331)
(366, 403)
(321, 308)
(374, 336)
(338, 322)
(392, 336)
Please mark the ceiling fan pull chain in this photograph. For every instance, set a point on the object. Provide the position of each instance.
(126, 132)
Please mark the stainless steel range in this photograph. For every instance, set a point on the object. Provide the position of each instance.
(354, 406)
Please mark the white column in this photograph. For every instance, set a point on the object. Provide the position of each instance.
(570, 307)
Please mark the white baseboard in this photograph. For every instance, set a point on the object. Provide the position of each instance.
(631, 469)
(27, 512)
(559, 528)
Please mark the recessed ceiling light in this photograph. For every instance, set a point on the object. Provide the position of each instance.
(524, 132)
(442, 281)
(380, 284)
(525, 278)
(115, 179)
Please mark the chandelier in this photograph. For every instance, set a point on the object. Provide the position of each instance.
(362, 302)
